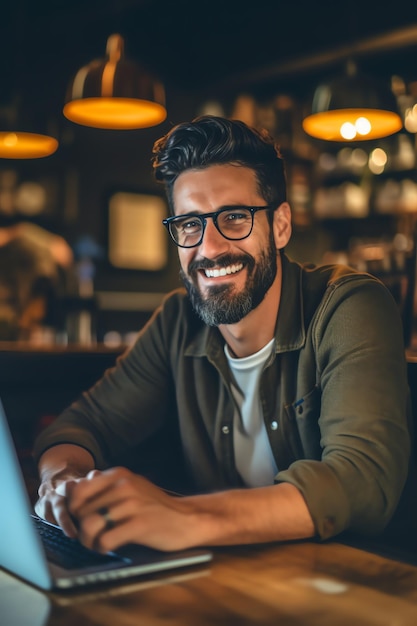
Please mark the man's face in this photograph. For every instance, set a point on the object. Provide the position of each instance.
(225, 279)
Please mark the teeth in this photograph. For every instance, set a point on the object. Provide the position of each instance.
(230, 269)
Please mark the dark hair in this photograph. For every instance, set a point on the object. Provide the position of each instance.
(210, 140)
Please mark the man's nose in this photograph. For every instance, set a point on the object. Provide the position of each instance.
(213, 242)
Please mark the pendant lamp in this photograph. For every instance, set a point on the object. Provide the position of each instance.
(353, 107)
(115, 93)
(18, 139)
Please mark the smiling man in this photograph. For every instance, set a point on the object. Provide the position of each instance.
(230, 270)
(273, 396)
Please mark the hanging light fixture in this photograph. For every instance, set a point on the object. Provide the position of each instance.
(17, 139)
(21, 145)
(22, 135)
(353, 107)
(115, 93)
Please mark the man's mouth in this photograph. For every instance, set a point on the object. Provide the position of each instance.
(223, 271)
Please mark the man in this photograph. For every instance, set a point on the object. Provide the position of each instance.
(286, 385)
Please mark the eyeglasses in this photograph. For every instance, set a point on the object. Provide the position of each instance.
(234, 223)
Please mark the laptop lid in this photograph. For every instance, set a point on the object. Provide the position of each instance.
(22, 552)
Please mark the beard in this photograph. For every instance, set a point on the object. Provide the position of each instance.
(222, 304)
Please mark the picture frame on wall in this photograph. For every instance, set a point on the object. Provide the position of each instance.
(137, 239)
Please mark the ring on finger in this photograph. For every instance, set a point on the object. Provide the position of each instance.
(105, 514)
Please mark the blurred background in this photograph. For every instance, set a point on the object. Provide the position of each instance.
(88, 215)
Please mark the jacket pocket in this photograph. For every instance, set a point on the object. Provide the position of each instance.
(304, 414)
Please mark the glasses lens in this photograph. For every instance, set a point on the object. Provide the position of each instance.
(186, 231)
(235, 223)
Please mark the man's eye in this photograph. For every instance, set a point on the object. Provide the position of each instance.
(236, 216)
(190, 225)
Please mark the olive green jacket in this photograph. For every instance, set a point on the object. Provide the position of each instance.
(334, 396)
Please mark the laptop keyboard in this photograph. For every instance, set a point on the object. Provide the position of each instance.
(69, 553)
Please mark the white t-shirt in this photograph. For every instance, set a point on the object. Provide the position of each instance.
(254, 459)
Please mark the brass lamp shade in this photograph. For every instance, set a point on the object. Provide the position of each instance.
(22, 145)
(353, 108)
(115, 93)
(21, 135)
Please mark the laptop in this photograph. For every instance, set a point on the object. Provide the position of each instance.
(24, 605)
(23, 535)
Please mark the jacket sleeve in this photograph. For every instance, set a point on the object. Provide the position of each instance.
(128, 405)
(365, 439)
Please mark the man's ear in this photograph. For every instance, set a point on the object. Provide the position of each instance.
(282, 225)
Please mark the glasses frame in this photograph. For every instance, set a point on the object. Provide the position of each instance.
(214, 216)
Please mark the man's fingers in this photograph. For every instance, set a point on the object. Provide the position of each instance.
(93, 473)
(52, 506)
(88, 491)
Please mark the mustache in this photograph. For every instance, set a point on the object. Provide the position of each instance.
(224, 261)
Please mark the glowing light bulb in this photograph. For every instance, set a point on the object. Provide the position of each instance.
(377, 161)
(410, 121)
(363, 126)
(348, 130)
(379, 156)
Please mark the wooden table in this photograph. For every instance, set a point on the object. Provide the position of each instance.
(281, 584)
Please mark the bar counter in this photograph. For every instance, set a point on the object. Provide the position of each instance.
(303, 583)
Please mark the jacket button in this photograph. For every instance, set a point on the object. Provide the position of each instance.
(274, 425)
(225, 430)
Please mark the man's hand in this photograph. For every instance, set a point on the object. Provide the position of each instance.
(116, 507)
(52, 505)
(60, 467)
(108, 509)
